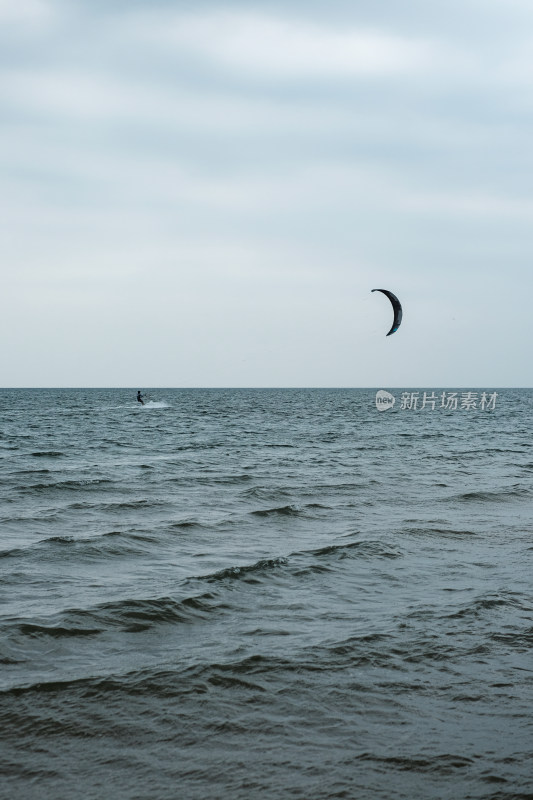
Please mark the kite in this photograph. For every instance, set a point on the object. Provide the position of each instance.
(396, 305)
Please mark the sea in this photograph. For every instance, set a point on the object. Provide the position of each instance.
(266, 593)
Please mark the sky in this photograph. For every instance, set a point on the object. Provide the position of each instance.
(205, 193)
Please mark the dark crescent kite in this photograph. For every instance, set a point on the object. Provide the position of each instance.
(396, 305)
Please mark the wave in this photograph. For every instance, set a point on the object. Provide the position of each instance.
(443, 764)
(521, 640)
(349, 486)
(246, 673)
(111, 543)
(488, 602)
(207, 480)
(33, 471)
(302, 562)
(266, 493)
(362, 548)
(68, 485)
(291, 510)
(286, 511)
(57, 632)
(497, 495)
(185, 523)
(431, 531)
(140, 614)
(118, 506)
(130, 616)
(158, 682)
(15, 551)
(246, 572)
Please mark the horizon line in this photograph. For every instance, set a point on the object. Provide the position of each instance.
(484, 387)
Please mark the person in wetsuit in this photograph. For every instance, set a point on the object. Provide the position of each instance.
(140, 398)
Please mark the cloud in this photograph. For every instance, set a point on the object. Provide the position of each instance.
(26, 12)
(260, 167)
(286, 47)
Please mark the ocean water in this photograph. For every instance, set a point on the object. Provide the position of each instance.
(264, 594)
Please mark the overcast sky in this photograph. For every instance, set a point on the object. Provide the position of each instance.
(205, 193)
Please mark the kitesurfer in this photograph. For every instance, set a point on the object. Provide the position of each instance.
(140, 398)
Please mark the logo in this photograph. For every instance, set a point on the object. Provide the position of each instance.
(445, 401)
(384, 400)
